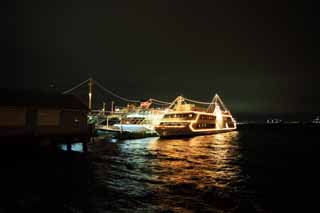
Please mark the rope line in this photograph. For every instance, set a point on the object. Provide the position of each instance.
(153, 100)
(75, 87)
(115, 95)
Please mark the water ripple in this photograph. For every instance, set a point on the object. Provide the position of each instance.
(176, 175)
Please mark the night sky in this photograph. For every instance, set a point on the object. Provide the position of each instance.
(259, 56)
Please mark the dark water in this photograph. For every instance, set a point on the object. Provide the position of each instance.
(177, 174)
(254, 169)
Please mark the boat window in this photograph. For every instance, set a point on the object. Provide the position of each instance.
(207, 117)
(167, 116)
(205, 126)
(182, 116)
(230, 122)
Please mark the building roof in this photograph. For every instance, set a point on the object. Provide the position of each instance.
(11, 97)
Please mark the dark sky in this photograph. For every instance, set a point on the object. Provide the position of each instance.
(260, 56)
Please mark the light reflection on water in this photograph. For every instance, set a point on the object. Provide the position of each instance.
(78, 147)
(161, 174)
(202, 160)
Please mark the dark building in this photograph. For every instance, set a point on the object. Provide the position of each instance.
(40, 115)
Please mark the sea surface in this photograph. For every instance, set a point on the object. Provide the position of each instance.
(254, 169)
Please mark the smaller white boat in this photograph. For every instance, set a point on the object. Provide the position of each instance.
(107, 124)
(140, 121)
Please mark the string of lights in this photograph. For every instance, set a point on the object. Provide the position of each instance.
(198, 102)
(159, 101)
(155, 101)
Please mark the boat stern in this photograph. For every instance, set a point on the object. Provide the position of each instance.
(173, 129)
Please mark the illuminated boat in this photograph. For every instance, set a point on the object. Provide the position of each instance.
(140, 121)
(183, 119)
(107, 123)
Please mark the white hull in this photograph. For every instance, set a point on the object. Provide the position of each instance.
(107, 128)
(134, 127)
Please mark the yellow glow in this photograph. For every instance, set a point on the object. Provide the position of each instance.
(163, 126)
(208, 130)
(192, 161)
(219, 119)
(90, 100)
(179, 107)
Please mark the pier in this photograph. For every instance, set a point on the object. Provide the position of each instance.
(40, 118)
